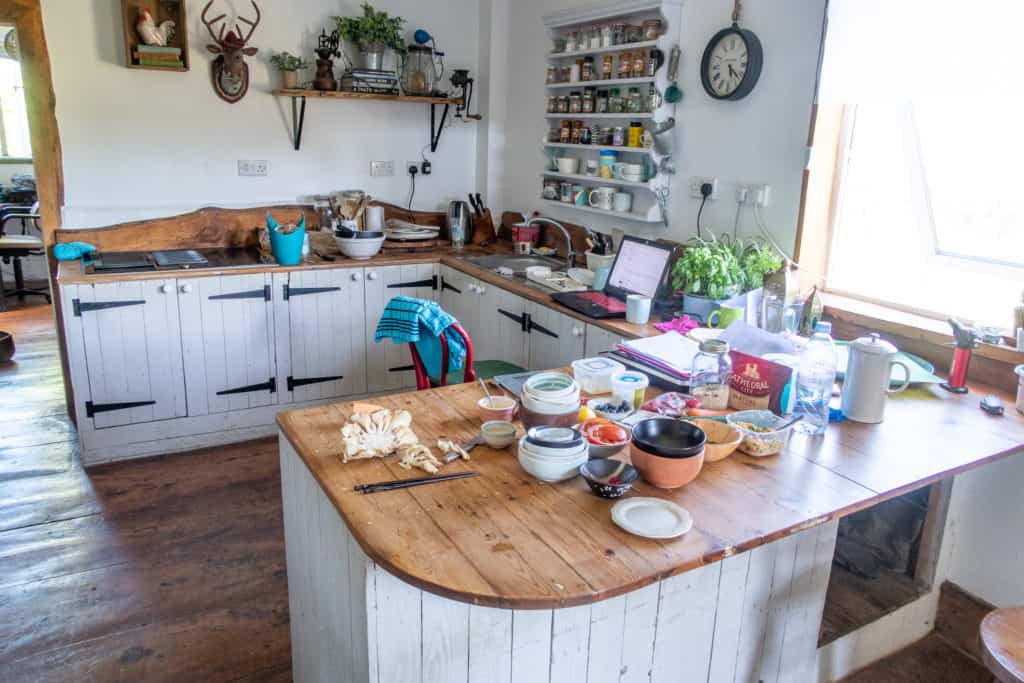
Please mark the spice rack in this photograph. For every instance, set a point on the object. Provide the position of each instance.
(650, 194)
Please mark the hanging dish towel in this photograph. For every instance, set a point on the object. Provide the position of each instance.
(422, 322)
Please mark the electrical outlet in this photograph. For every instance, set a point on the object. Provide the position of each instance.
(252, 167)
(753, 193)
(382, 168)
(696, 181)
(409, 165)
(761, 194)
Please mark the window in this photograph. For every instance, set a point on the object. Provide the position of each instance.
(928, 209)
(14, 138)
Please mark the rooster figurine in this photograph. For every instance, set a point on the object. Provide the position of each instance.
(152, 34)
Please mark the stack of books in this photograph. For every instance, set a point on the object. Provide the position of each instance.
(370, 81)
(158, 56)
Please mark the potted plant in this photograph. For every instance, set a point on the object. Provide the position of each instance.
(723, 271)
(289, 66)
(373, 32)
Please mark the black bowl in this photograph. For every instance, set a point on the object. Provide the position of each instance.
(669, 438)
(348, 233)
(6, 346)
(595, 470)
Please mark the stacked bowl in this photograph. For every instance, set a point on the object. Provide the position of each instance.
(668, 453)
(553, 454)
(550, 399)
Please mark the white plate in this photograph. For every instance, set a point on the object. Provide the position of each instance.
(651, 517)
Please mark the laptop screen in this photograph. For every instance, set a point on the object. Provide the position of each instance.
(639, 267)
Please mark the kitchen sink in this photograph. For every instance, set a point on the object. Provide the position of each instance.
(518, 264)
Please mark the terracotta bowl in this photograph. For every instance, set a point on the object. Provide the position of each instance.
(531, 419)
(668, 453)
(722, 439)
(6, 346)
(665, 473)
(502, 410)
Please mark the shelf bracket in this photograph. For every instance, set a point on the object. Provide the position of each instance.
(436, 130)
(298, 119)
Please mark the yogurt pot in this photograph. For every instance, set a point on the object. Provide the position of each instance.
(631, 387)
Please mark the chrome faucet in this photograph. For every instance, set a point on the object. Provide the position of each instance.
(570, 255)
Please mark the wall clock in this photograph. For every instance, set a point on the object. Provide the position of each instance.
(732, 61)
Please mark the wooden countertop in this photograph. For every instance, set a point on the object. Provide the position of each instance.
(505, 539)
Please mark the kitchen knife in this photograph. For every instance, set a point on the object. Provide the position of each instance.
(476, 208)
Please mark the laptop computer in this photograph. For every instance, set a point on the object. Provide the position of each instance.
(639, 268)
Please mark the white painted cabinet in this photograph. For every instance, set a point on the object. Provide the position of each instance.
(321, 327)
(555, 339)
(502, 329)
(460, 295)
(124, 342)
(228, 342)
(389, 365)
(599, 340)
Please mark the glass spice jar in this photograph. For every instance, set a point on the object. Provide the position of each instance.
(618, 33)
(594, 37)
(625, 64)
(564, 74)
(618, 136)
(711, 375)
(614, 102)
(606, 136)
(652, 63)
(653, 98)
(574, 137)
(652, 29)
(607, 67)
(575, 102)
(607, 36)
(552, 107)
(563, 104)
(636, 130)
(639, 64)
(634, 103)
(634, 33)
(601, 103)
(588, 101)
(552, 74)
(565, 134)
(587, 69)
(572, 41)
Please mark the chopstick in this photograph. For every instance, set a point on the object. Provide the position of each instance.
(407, 483)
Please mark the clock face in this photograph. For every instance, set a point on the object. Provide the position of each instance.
(728, 64)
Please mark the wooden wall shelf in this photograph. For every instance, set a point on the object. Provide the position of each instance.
(161, 10)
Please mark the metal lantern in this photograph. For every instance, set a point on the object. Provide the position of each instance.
(419, 75)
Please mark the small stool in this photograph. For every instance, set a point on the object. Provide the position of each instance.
(1002, 644)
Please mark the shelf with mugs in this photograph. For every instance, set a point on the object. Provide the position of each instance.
(601, 84)
(652, 215)
(600, 148)
(598, 180)
(604, 49)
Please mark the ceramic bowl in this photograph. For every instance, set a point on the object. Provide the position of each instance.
(564, 419)
(359, 249)
(599, 408)
(550, 392)
(668, 453)
(599, 452)
(498, 434)
(6, 346)
(551, 469)
(497, 408)
(760, 436)
(555, 442)
(609, 478)
(722, 439)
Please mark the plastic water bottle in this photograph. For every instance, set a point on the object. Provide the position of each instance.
(815, 376)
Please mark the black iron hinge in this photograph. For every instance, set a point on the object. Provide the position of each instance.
(431, 282)
(250, 294)
(445, 285)
(531, 326)
(92, 408)
(289, 292)
(402, 368)
(521, 319)
(83, 306)
(303, 381)
(270, 385)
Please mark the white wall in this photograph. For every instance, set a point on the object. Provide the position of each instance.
(140, 143)
(759, 139)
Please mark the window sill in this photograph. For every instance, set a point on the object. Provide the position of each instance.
(909, 325)
(14, 160)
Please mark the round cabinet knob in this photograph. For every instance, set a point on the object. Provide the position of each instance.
(480, 289)
(165, 289)
(471, 287)
(371, 276)
(577, 331)
(185, 289)
(356, 277)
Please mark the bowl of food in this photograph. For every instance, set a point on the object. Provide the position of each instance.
(760, 431)
(498, 434)
(668, 453)
(610, 409)
(609, 478)
(723, 439)
(494, 408)
(604, 436)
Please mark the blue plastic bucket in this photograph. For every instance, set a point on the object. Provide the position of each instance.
(286, 247)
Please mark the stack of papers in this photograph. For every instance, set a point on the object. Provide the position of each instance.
(670, 352)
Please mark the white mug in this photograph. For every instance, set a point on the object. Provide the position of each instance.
(601, 198)
(374, 218)
(632, 177)
(621, 170)
(622, 202)
(638, 309)
(567, 165)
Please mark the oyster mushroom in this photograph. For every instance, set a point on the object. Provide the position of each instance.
(377, 434)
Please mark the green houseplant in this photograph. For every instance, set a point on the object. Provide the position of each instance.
(289, 65)
(373, 32)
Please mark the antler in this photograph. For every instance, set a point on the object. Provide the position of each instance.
(210, 23)
(252, 24)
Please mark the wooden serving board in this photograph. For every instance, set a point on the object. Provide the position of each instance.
(415, 246)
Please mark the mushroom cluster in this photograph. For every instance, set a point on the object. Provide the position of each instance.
(377, 434)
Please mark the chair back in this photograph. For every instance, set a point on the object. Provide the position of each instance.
(423, 379)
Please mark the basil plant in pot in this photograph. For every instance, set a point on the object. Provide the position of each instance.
(723, 271)
(373, 33)
(289, 65)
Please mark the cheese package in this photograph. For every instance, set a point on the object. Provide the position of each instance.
(757, 384)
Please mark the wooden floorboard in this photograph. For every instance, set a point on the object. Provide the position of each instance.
(854, 601)
(930, 660)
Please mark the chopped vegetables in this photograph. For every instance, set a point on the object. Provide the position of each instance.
(602, 432)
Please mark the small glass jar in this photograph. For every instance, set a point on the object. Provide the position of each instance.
(601, 103)
(634, 33)
(559, 44)
(619, 136)
(574, 139)
(564, 74)
(565, 134)
(555, 134)
(653, 98)
(711, 375)
(607, 67)
(606, 136)
(639, 64)
(594, 37)
(614, 102)
(552, 76)
(575, 102)
(552, 107)
(607, 36)
(563, 104)
(587, 69)
(572, 41)
(625, 64)
(652, 63)
(634, 103)
(588, 101)
(652, 29)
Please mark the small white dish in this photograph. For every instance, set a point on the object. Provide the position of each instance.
(651, 517)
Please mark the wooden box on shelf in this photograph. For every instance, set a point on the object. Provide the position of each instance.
(161, 10)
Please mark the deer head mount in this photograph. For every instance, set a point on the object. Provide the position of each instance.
(229, 71)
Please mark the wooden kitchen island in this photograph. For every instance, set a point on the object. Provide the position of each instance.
(504, 578)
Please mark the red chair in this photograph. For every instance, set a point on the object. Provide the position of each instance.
(423, 379)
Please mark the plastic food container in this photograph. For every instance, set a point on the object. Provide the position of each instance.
(630, 386)
(595, 374)
(760, 436)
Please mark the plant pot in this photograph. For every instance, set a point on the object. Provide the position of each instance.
(700, 307)
(289, 80)
(373, 56)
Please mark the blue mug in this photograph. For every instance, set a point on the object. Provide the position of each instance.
(601, 274)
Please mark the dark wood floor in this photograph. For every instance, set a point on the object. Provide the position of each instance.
(171, 569)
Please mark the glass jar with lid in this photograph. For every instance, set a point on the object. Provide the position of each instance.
(652, 29)
(634, 103)
(618, 33)
(607, 36)
(653, 98)
(625, 64)
(588, 100)
(601, 103)
(594, 37)
(587, 69)
(639, 63)
(711, 374)
(552, 107)
(607, 67)
(615, 105)
(575, 102)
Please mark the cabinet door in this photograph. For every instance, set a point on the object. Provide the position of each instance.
(130, 334)
(459, 295)
(555, 339)
(321, 334)
(502, 333)
(389, 365)
(228, 341)
(599, 340)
